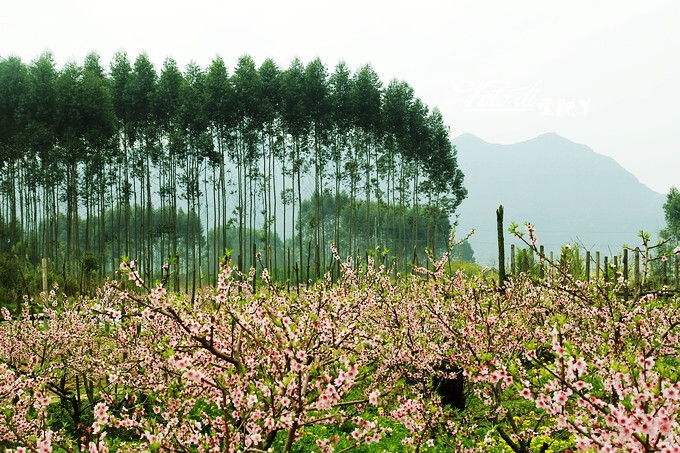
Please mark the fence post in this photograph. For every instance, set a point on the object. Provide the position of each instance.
(625, 274)
(541, 269)
(597, 265)
(636, 269)
(501, 246)
(44, 274)
(605, 269)
(587, 265)
(512, 259)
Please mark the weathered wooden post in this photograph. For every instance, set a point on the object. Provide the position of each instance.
(541, 269)
(512, 260)
(636, 270)
(605, 269)
(616, 265)
(625, 274)
(587, 265)
(501, 247)
(597, 265)
(44, 274)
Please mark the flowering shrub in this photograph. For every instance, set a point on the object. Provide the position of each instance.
(431, 360)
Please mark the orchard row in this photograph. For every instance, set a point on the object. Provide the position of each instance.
(423, 362)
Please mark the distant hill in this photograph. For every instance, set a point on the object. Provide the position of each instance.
(569, 192)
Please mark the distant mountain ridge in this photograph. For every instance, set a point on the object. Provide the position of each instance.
(568, 191)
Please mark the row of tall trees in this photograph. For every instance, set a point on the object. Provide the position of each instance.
(101, 161)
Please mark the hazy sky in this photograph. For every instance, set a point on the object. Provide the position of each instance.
(599, 73)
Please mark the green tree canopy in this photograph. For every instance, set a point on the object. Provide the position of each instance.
(671, 209)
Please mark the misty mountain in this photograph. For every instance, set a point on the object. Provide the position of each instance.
(569, 192)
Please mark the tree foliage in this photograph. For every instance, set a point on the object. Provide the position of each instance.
(88, 154)
(672, 214)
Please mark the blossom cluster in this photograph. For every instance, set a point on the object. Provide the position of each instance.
(451, 360)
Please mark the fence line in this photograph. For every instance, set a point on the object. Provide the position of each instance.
(655, 274)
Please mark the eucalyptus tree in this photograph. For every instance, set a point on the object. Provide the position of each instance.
(168, 105)
(84, 129)
(145, 140)
(79, 141)
(415, 152)
(296, 124)
(368, 100)
(318, 107)
(41, 113)
(342, 111)
(272, 145)
(99, 124)
(13, 158)
(70, 152)
(222, 115)
(199, 153)
(398, 100)
(245, 154)
(122, 99)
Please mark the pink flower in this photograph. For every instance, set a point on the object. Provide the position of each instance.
(352, 372)
(45, 446)
(152, 438)
(100, 412)
(580, 365)
(193, 375)
(671, 393)
(256, 438)
(269, 423)
(373, 397)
